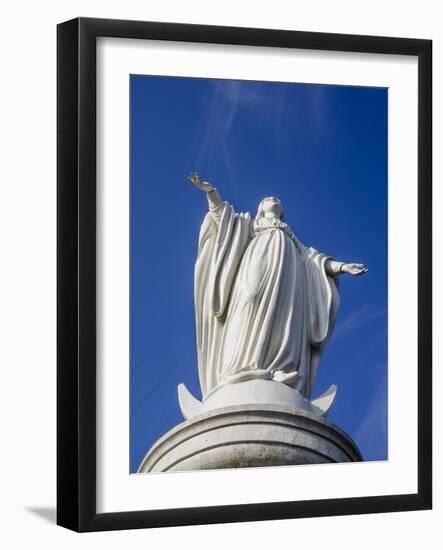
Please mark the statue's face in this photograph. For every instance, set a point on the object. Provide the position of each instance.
(272, 207)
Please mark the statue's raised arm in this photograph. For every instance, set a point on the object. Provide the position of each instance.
(215, 202)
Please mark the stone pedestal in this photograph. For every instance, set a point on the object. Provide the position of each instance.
(247, 435)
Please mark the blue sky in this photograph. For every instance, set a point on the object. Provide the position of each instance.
(323, 151)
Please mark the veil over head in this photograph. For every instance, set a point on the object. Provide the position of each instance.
(261, 212)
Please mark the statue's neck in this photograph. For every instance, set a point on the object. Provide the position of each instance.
(267, 221)
(270, 223)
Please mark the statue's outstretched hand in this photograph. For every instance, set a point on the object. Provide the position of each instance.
(354, 269)
(196, 180)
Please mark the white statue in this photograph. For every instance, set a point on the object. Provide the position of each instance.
(265, 303)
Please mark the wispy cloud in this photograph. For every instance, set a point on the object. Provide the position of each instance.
(228, 99)
(220, 116)
(359, 318)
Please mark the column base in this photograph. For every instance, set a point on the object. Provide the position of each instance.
(247, 436)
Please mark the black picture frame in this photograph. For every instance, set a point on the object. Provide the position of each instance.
(76, 279)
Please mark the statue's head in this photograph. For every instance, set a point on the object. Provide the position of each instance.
(270, 207)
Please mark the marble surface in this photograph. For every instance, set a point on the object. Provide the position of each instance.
(264, 302)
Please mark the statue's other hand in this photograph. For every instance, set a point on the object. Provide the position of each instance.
(354, 269)
(196, 180)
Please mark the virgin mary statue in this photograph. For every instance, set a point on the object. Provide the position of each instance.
(265, 303)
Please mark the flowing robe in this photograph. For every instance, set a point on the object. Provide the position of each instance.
(265, 304)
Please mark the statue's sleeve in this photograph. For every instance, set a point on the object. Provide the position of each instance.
(232, 238)
(222, 242)
(323, 301)
(322, 292)
(216, 206)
